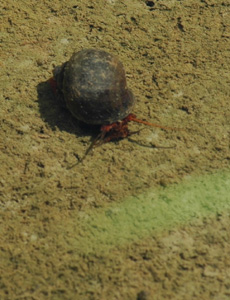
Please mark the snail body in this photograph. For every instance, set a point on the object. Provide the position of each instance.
(93, 86)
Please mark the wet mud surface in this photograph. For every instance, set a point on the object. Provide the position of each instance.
(177, 59)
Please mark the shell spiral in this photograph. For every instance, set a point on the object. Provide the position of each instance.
(93, 84)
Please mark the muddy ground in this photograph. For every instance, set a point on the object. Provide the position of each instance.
(177, 59)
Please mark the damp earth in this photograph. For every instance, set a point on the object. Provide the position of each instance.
(146, 217)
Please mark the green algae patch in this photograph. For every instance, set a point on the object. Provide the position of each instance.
(159, 209)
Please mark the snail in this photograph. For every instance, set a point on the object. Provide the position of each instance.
(93, 86)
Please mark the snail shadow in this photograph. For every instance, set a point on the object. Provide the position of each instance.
(56, 115)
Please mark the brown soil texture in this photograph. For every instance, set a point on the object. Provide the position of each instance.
(177, 59)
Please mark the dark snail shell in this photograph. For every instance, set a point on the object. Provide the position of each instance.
(93, 85)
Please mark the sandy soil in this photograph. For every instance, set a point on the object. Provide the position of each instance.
(177, 59)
